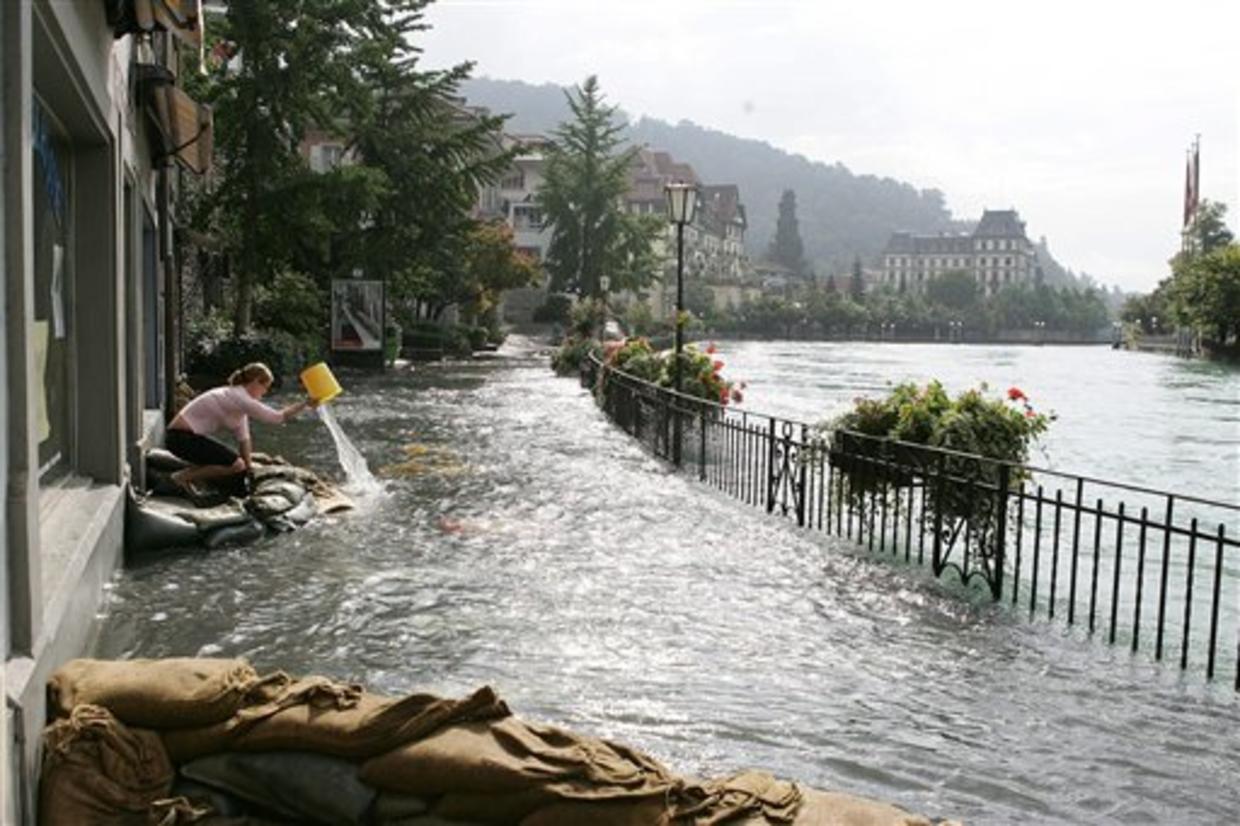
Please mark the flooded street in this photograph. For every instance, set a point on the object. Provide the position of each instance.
(521, 540)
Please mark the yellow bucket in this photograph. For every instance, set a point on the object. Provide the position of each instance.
(320, 383)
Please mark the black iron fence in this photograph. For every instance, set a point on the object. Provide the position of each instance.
(1151, 570)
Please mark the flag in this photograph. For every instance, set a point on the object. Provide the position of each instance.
(1192, 184)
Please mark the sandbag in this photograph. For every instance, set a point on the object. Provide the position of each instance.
(318, 715)
(98, 771)
(149, 530)
(515, 766)
(301, 786)
(168, 693)
(647, 811)
(243, 534)
(161, 459)
(835, 809)
(394, 808)
(219, 802)
(758, 795)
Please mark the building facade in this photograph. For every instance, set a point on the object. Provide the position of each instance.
(996, 254)
(96, 133)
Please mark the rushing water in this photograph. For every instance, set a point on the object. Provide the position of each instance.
(526, 543)
(358, 478)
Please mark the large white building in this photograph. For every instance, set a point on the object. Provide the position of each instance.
(997, 254)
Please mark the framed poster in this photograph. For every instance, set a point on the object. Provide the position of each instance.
(357, 315)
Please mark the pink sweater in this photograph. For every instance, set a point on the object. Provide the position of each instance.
(227, 407)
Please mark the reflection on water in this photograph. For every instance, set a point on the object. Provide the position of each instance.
(569, 569)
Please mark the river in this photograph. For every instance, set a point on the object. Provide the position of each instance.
(540, 550)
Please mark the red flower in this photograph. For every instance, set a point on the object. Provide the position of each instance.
(716, 366)
(737, 395)
(1029, 414)
(1016, 394)
(711, 348)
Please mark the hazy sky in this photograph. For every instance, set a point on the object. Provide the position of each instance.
(1077, 114)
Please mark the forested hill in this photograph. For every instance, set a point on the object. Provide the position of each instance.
(841, 213)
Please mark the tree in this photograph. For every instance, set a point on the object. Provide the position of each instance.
(955, 289)
(582, 199)
(1206, 292)
(491, 265)
(856, 288)
(435, 155)
(786, 248)
(1209, 230)
(291, 73)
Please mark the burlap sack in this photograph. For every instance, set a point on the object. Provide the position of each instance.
(171, 693)
(503, 770)
(649, 811)
(836, 809)
(317, 715)
(97, 771)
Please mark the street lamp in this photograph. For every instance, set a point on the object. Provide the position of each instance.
(681, 205)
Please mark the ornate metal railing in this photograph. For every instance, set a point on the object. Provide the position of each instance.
(1149, 569)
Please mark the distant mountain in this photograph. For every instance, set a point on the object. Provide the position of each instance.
(841, 214)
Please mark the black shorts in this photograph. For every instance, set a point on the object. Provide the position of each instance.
(199, 450)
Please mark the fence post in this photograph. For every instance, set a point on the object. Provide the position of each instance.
(772, 475)
(801, 491)
(1005, 479)
(938, 516)
(677, 430)
(702, 444)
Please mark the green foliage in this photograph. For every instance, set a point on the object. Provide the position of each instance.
(1206, 292)
(398, 209)
(567, 359)
(1209, 228)
(586, 318)
(555, 309)
(295, 304)
(491, 264)
(956, 290)
(1002, 430)
(786, 247)
(701, 370)
(639, 320)
(581, 199)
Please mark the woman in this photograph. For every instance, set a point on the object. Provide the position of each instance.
(230, 407)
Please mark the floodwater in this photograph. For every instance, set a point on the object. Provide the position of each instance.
(526, 543)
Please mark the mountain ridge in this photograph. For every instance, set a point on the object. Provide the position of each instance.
(841, 214)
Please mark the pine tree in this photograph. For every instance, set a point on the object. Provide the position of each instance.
(857, 286)
(786, 247)
(582, 199)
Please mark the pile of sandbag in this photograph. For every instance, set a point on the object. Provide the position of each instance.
(279, 497)
(210, 741)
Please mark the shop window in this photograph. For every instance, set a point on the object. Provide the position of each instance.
(53, 287)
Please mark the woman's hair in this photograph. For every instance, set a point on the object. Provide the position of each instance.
(253, 370)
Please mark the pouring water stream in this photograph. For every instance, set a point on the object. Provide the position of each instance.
(357, 473)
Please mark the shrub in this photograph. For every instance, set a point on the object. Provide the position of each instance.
(1001, 430)
(701, 373)
(567, 359)
(555, 309)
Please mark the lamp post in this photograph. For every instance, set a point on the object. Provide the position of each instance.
(681, 205)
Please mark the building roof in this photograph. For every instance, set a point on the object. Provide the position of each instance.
(909, 244)
(724, 201)
(1000, 223)
(995, 223)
